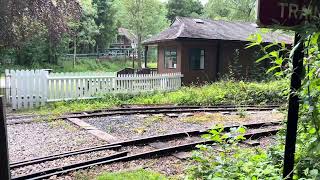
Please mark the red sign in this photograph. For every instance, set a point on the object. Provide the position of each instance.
(285, 13)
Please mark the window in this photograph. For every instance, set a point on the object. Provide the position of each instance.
(196, 59)
(170, 58)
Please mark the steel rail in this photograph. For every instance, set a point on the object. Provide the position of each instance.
(172, 107)
(38, 175)
(158, 111)
(158, 152)
(61, 155)
(147, 110)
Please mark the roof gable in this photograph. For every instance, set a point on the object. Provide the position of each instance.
(128, 34)
(184, 27)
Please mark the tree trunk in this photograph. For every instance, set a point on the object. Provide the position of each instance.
(19, 58)
(52, 55)
(97, 51)
(50, 51)
(74, 51)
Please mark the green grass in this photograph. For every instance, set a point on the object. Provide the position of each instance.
(132, 175)
(82, 65)
(152, 65)
(224, 92)
(87, 64)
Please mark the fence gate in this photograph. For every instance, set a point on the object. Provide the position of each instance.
(26, 88)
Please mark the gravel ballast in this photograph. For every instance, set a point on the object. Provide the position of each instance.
(32, 140)
(138, 126)
(135, 126)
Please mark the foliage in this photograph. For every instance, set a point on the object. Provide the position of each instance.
(132, 175)
(106, 22)
(37, 33)
(250, 164)
(223, 92)
(152, 65)
(226, 160)
(235, 93)
(85, 30)
(21, 19)
(307, 156)
(230, 9)
(144, 17)
(184, 8)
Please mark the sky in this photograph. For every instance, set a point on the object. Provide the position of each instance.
(204, 1)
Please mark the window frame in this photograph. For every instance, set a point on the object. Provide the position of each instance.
(191, 50)
(165, 57)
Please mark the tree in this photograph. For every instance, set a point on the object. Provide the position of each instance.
(231, 9)
(144, 17)
(84, 31)
(188, 8)
(106, 22)
(22, 21)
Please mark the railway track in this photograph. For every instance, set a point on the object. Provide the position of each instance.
(20, 119)
(126, 110)
(171, 109)
(135, 149)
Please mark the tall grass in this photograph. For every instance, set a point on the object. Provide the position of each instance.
(219, 93)
(87, 64)
(82, 65)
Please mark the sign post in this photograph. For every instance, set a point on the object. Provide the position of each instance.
(289, 14)
(293, 111)
(4, 156)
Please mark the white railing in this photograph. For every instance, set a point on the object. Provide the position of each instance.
(69, 86)
(32, 88)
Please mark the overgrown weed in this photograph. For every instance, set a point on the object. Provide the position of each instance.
(228, 93)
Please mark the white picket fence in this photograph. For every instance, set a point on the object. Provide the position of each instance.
(33, 88)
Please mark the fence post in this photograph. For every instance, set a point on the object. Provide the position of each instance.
(4, 156)
(7, 85)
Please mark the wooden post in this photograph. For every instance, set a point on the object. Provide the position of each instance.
(293, 112)
(4, 156)
(145, 56)
(133, 56)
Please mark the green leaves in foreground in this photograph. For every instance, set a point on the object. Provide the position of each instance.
(226, 160)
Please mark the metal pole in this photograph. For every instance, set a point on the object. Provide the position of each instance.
(293, 112)
(133, 56)
(4, 156)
